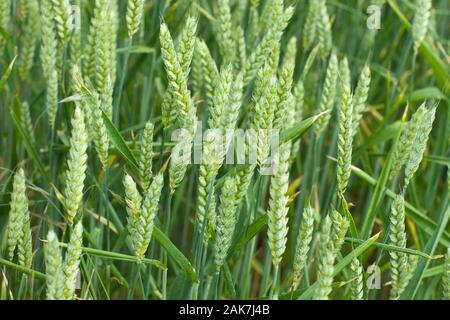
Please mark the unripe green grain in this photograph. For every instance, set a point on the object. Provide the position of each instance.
(326, 262)
(224, 32)
(404, 146)
(421, 21)
(54, 268)
(328, 94)
(226, 221)
(135, 9)
(72, 261)
(62, 13)
(397, 237)
(146, 154)
(360, 96)
(419, 145)
(357, 282)
(324, 35)
(148, 211)
(18, 210)
(302, 246)
(345, 135)
(76, 166)
(28, 39)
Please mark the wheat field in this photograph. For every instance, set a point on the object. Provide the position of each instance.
(229, 149)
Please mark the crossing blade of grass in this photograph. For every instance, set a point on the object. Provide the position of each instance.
(175, 253)
(22, 269)
(299, 128)
(119, 143)
(389, 247)
(6, 74)
(118, 256)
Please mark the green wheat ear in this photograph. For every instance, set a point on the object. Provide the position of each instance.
(357, 282)
(302, 246)
(18, 210)
(421, 21)
(72, 261)
(146, 154)
(135, 9)
(326, 261)
(226, 221)
(76, 171)
(345, 135)
(54, 268)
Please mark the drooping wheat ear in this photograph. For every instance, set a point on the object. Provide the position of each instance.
(328, 94)
(76, 166)
(5, 18)
(253, 25)
(324, 34)
(135, 9)
(72, 261)
(325, 266)
(18, 209)
(340, 228)
(226, 221)
(210, 73)
(360, 96)
(62, 13)
(397, 237)
(26, 120)
(446, 277)
(145, 160)
(404, 146)
(302, 246)
(419, 145)
(278, 204)
(148, 211)
(224, 32)
(54, 268)
(28, 40)
(259, 56)
(241, 51)
(421, 21)
(357, 282)
(48, 59)
(311, 25)
(133, 200)
(345, 136)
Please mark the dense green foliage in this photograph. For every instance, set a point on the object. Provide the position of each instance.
(101, 196)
